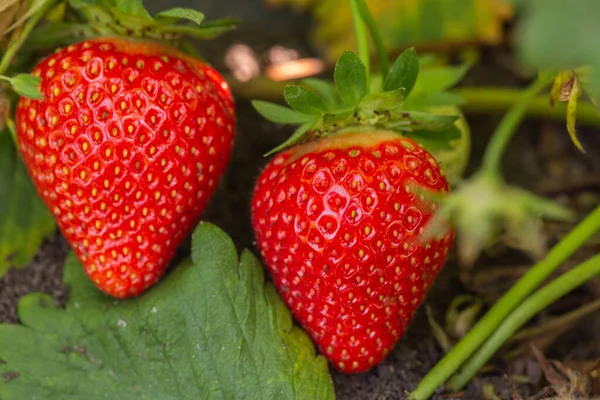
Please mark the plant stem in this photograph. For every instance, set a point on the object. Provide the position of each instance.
(361, 37)
(27, 28)
(534, 304)
(376, 36)
(510, 122)
(486, 100)
(494, 317)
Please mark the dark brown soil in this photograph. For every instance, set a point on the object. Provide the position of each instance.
(540, 157)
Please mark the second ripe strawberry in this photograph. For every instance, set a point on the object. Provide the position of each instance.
(338, 224)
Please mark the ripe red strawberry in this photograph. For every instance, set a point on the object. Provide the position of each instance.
(337, 223)
(126, 149)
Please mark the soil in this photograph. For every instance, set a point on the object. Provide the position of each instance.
(540, 158)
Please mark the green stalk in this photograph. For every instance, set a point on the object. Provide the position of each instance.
(361, 37)
(494, 317)
(376, 36)
(27, 28)
(534, 304)
(488, 100)
(505, 131)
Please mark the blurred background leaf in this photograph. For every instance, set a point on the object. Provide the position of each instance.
(408, 22)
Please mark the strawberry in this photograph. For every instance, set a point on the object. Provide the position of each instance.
(126, 149)
(341, 219)
(336, 222)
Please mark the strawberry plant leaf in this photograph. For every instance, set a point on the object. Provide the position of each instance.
(350, 77)
(325, 89)
(211, 329)
(304, 100)
(27, 85)
(25, 219)
(280, 114)
(403, 73)
(177, 13)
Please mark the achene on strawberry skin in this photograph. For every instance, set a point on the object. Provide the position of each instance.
(126, 149)
(338, 223)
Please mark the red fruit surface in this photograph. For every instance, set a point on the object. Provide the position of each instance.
(337, 223)
(126, 149)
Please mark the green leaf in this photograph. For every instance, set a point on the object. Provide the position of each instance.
(177, 13)
(211, 329)
(280, 114)
(296, 137)
(404, 72)
(25, 219)
(304, 100)
(325, 89)
(351, 78)
(26, 85)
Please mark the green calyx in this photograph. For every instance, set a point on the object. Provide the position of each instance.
(322, 109)
(85, 19)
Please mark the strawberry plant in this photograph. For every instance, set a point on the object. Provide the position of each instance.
(116, 132)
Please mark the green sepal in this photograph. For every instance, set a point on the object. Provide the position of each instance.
(25, 85)
(304, 100)
(280, 114)
(325, 89)
(435, 140)
(403, 73)
(176, 14)
(350, 77)
(298, 136)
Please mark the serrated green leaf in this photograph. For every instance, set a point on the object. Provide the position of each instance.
(211, 329)
(350, 77)
(403, 73)
(177, 13)
(325, 89)
(26, 85)
(25, 219)
(304, 100)
(296, 137)
(280, 114)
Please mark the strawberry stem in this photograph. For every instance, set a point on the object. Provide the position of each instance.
(541, 299)
(376, 36)
(16, 44)
(490, 322)
(361, 37)
(509, 124)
